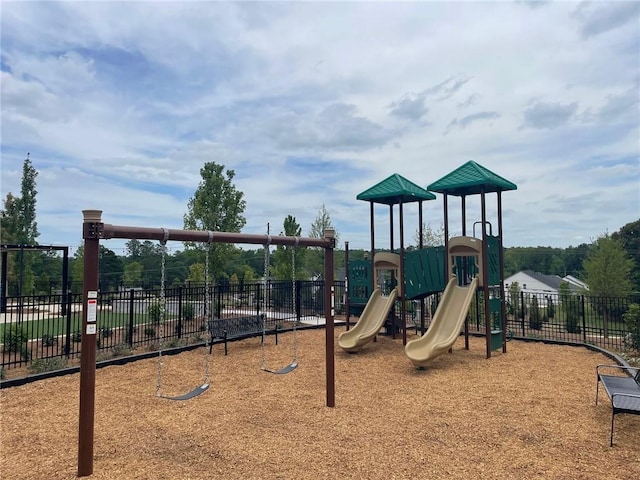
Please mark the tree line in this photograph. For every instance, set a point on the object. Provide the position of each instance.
(610, 264)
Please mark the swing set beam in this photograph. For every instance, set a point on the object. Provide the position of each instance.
(94, 230)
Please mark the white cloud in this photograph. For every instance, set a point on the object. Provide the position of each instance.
(120, 105)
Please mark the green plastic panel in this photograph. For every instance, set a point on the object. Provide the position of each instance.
(423, 272)
(493, 259)
(359, 281)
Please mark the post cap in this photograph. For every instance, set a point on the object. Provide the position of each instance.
(92, 216)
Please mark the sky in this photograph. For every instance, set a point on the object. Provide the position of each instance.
(120, 104)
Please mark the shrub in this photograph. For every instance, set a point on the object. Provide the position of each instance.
(49, 340)
(16, 339)
(41, 365)
(149, 332)
(535, 319)
(76, 336)
(188, 311)
(632, 325)
(551, 308)
(155, 312)
(106, 332)
(120, 350)
(3, 374)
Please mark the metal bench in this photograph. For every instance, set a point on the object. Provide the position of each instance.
(623, 390)
(236, 328)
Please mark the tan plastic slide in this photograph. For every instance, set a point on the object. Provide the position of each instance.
(370, 322)
(445, 326)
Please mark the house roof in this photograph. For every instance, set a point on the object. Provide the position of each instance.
(551, 281)
(470, 179)
(395, 189)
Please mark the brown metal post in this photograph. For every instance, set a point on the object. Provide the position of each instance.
(485, 273)
(503, 311)
(403, 307)
(329, 234)
(347, 304)
(420, 246)
(373, 247)
(91, 232)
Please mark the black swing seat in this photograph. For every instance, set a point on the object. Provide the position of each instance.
(193, 393)
(289, 368)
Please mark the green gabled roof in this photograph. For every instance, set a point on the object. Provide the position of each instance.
(470, 179)
(395, 189)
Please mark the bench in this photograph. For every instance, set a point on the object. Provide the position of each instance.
(623, 391)
(236, 328)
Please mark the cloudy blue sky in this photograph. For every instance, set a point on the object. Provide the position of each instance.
(121, 103)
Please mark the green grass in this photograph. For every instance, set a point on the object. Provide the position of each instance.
(57, 326)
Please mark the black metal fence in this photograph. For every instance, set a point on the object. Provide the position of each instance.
(42, 327)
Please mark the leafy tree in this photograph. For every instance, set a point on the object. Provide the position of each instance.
(514, 300)
(110, 269)
(629, 237)
(196, 273)
(283, 256)
(430, 237)
(321, 223)
(133, 274)
(19, 226)
(608, 274)
(315, 259)
(216, 205)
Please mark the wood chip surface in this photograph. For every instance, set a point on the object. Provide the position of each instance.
(527, 414)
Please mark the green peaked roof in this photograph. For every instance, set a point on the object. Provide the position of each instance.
(470, 179)
(395, 189)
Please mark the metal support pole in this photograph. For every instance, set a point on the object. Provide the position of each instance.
(92, 228)
(329, 234)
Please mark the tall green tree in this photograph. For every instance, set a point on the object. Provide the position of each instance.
(608, 273)
(629, 237)
(19, 226)
(321, 223)
(216, 205)
(607, 268)
(285, 256)
(315, 259)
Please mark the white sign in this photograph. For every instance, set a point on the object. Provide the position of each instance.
(92, 294)
(92, 309)
(91, 329)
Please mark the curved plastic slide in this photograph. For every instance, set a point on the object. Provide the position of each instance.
(445, 326)
(370, 322)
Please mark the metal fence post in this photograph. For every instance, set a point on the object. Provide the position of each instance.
(522, 312)
(67, 340)
(584, 323)
(131, 312)
(180, 311)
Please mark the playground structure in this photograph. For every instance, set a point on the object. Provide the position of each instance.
(377, 309)
(425, 271)
(94, 230)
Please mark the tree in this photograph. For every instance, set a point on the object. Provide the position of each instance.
(322, 223)
(133, 274)
(283, 256)
(430, 237)
(19, 226)
(607, 268)
(629, 237)
(217, 206)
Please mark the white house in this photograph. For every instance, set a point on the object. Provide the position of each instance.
(542, 285)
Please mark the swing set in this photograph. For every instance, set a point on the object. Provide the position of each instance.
(95, 230)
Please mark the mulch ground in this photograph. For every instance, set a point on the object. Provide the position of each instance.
(529, 414)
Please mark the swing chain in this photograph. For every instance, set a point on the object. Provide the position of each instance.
(265, 300)
(207, 308)
(163, 307)
(295, 303)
